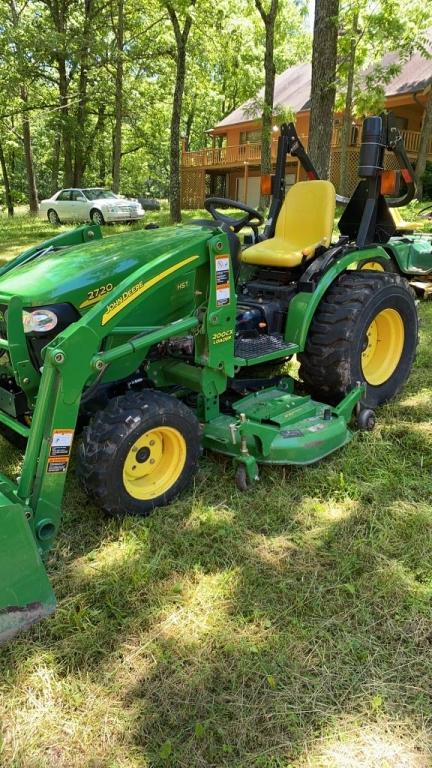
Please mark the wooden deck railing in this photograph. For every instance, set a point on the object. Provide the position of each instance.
(251, 153)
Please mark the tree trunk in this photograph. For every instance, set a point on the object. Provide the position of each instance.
(100, 151)
(426, 135)
(118, 109)
(6, 183)
(181, 38)
(28, 158)
(189, 123)
(346, 124)
(269, 20)
(58, 10)
(27, 142)
(65, 122)
(175, 200)
(81, 115)
(55, 163)
(323, 86)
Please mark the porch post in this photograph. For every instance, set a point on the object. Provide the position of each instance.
(246, 182)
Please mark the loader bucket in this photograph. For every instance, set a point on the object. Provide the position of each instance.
(26, 595)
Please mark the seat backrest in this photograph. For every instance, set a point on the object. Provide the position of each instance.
(307, 214)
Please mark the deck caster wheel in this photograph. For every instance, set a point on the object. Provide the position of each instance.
(366, 420)
(241, 479)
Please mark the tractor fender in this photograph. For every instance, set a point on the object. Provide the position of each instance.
(303, 306)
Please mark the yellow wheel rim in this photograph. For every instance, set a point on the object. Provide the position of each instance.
(383, 347)
(154, 463)
(375, 265)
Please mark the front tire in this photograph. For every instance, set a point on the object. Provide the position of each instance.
(53, 217)
(365, 329)
(96, 217)
(139, 452)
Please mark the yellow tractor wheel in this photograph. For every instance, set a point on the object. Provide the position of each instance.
(139, 453)
(364, 330)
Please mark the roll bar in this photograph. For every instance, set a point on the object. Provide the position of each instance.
(379, 134)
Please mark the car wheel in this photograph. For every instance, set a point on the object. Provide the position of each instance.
(96, 217)
(53, 217)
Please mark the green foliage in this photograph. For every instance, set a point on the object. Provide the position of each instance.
(380, 29)
(224, 68)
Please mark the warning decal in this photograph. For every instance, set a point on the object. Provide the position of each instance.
(60, 450)
(222, 280)
(61, 442)
(57, 465)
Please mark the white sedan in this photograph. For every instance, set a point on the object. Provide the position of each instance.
(90, 204)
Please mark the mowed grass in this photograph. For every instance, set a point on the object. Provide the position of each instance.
(287, 627)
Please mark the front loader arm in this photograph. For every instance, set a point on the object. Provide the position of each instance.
(30, 510)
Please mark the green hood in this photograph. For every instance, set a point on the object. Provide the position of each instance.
(68, 275)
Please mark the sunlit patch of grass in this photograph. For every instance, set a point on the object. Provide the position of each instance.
(196, 607)
(75, 713)
(381, 745)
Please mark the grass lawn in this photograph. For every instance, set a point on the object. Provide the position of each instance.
(290, 627)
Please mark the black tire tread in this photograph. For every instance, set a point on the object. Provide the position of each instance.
(110, 427)
(323, 364)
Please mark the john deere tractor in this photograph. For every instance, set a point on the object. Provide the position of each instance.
(154, 340)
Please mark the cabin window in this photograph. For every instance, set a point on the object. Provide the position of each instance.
(250, 137)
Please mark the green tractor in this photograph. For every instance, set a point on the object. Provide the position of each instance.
(157, 342)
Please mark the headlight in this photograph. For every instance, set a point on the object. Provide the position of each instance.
(39, 321)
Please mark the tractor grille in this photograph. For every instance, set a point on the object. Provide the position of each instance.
(263, 344)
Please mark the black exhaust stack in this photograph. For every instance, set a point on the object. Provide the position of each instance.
(367, 218)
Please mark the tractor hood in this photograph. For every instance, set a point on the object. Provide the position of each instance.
(69, 274)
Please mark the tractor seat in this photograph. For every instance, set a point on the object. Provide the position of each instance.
(304, 223)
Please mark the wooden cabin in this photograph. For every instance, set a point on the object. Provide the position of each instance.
(230, 167)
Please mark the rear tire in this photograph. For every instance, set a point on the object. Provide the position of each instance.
(378, 265)
(364, 329)
(139, 452)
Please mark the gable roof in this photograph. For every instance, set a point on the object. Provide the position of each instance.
(292, 87)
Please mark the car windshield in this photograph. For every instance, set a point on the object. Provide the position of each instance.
(99, 194)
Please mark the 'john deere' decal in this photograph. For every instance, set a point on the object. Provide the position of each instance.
(136, 290)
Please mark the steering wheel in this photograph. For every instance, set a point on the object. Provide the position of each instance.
(253, 218)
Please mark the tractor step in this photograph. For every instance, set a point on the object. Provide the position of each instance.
(265, 346)
(26, 595)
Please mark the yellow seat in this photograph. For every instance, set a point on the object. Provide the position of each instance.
(402, 225)
(305, 222)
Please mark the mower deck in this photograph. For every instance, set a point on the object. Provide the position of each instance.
(275, 426)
